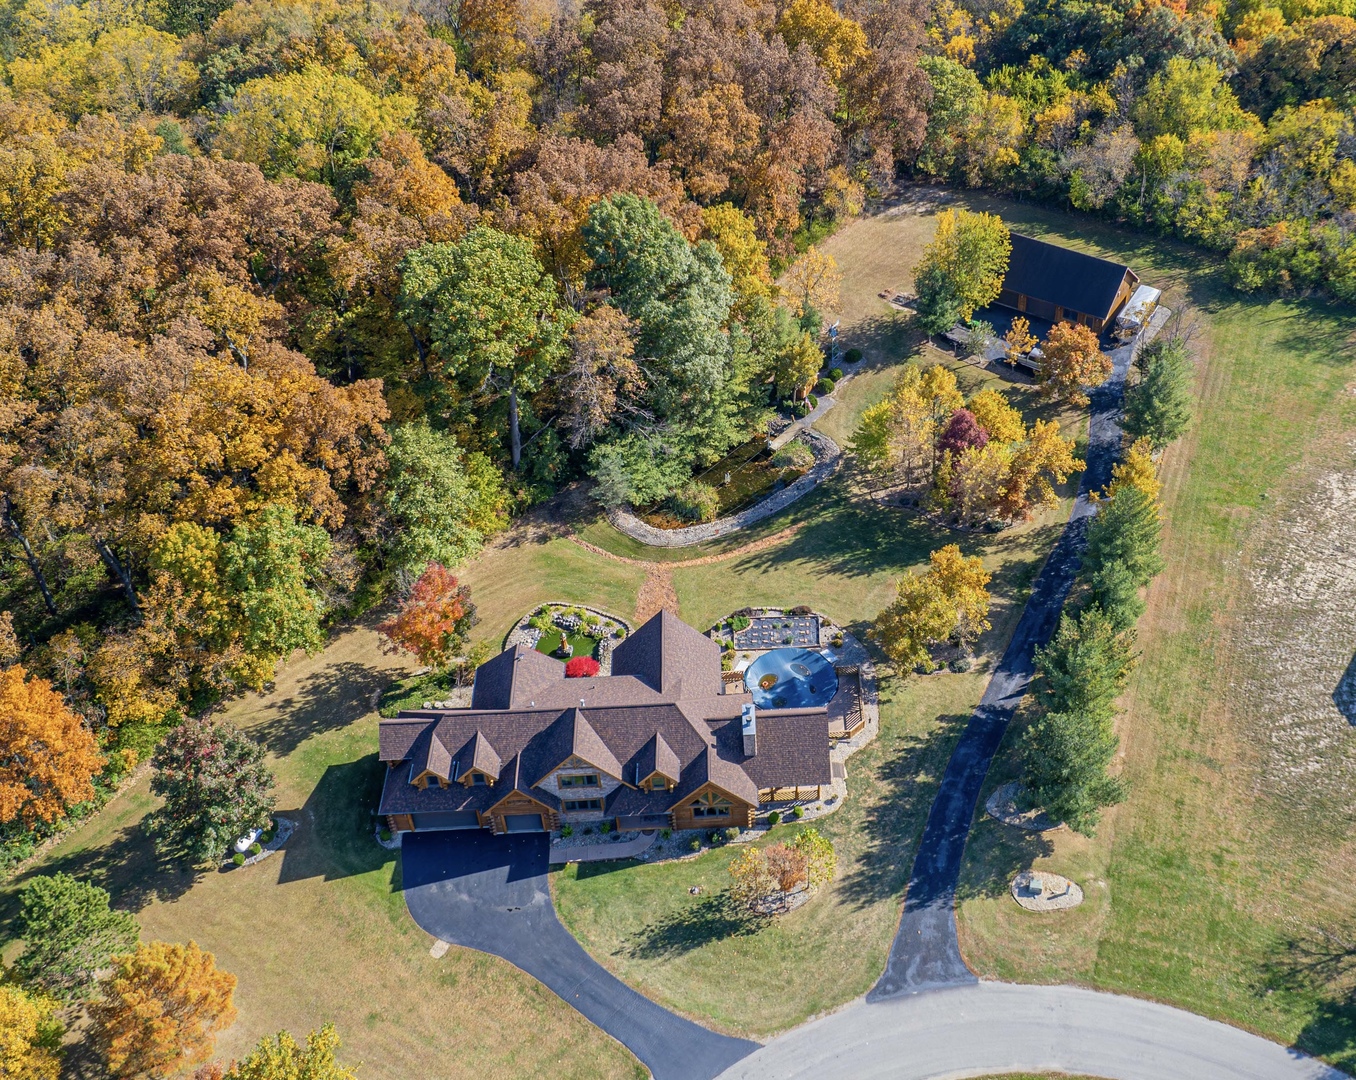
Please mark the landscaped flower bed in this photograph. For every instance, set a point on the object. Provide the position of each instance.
(570, 631)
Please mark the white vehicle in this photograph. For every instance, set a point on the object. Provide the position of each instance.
(1135, 315)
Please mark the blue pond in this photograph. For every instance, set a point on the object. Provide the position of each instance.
(803, 679)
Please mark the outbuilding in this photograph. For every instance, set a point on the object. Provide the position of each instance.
(1058, 284)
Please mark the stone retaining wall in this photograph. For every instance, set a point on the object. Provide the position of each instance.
(827, 455)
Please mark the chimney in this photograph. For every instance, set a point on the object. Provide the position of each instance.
(748, 723)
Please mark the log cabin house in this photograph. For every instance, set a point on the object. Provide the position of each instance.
(1058, 284)
(660, 742)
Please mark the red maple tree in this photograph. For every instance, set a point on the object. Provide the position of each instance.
(433, 621)
(581, 667)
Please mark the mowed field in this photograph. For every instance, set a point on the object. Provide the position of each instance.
(1225, 882)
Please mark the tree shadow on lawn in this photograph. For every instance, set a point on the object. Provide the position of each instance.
(126, 864)
(1318, 970)
(336, 838)
(333, 697)
(711, 918)
(906, 780)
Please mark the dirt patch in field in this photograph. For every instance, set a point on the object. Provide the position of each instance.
(1299, 643)
(656, 593)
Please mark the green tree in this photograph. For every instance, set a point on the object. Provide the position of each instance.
(280, 1058)
(679, 297)
(443, 502)
(1158, 404)
(216, 789)
(1126, 530)
(268, 567)
(1068, 747)
(490, 314)
(938, 304)
(1113, 588)
(69, 934)
(965, 261)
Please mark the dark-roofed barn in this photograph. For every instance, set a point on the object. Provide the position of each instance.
(656, 743)
(1058, 284)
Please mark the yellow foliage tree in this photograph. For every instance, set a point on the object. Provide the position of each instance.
(950, 600)
(839, 42)
(1071, 360)
(162, 1007)
(48, 756)
(1019, 338)
(812, 281)
(1002, 422)
(280, 1058)
(969, 251)
(1044, 459)
(30, 1038)
(745, 256)
(1137, 470)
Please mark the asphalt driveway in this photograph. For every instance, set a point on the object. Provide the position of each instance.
(490, 893)
(926, 952)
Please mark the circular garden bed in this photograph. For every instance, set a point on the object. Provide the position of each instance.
(570, 631)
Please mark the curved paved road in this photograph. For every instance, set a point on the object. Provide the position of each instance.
(925, 953)
(998, 1027)
(490, 893)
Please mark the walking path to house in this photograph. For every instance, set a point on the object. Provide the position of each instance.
(993, 1028)
(490, 893)
(926, 951)
(603, 852)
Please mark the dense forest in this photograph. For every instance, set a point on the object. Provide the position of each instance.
(300, 296)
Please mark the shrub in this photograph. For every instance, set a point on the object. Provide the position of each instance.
(238, 858)
(824, 386)
(794, 455)
(732, 833)
(774, 818)
(837, 641)
(960, 665)
(605, 827)
(664, 834)
(739, 622)
(256, 848)
(852, 355)
(696, 501)
(715, 838)
(798, 812)
(540, 622)
(836, 374)
(694, 844)
(567, 831)
(581, 667)
(591, 620)
(385, 835)
(812, 401)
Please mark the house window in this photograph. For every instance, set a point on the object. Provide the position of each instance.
(658, 783)
(582, 804)
(711, 805)
(580, 780)
(478, 778)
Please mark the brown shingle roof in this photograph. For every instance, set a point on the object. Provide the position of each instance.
(627, 728)
(438, 759)
(671, 657)
(793, 747)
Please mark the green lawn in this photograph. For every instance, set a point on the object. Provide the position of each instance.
(755, 977)
(1224, 883)
(320, 933)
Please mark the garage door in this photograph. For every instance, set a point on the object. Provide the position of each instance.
(447, 819)
(523, 823)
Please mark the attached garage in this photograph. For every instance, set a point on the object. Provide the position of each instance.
(447, 819)
(523, 823)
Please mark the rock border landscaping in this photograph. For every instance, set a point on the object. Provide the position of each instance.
(827, 455)
(283, 828)
(522, 634)
(1002, 806)
(1040, 890)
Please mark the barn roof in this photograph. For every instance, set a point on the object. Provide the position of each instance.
(1064, 277)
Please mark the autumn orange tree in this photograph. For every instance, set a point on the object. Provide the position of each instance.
(48, 757)
(162, 1007)
(435, 618)
(1072, 360)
